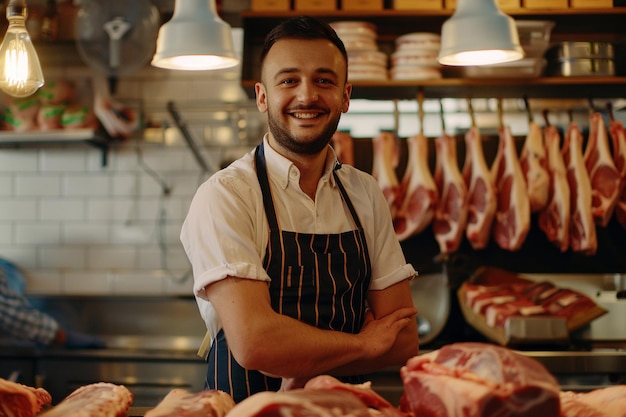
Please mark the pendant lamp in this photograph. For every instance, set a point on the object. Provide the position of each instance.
(20, 71)
(478, 33)
(195, 38)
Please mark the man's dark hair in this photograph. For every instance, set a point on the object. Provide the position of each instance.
(302, 27)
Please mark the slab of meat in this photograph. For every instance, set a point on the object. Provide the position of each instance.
(482, 200)
(182, 403)
(605, 180)
(618, 137)
(535, 168)
(343, 143)
(602, 402)
(477, 380)
(363, 391)
(17, 400)
(512, 221)
(385, 161)
(451, 212)
(301, 403)
(582, 230)
(554, 219)
(418, 189)
(101, 399)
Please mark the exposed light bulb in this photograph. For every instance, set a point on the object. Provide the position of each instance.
(20, 71)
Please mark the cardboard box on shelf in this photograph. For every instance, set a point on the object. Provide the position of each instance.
(315, 4)
(545, 4)
(418, 4)
(270, 5)
(362, 4)
(591, 4)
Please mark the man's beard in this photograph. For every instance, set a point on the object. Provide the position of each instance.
(291, 143)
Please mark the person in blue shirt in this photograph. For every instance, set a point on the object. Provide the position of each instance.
(21, 320)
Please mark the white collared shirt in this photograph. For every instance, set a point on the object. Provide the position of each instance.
(225, 232)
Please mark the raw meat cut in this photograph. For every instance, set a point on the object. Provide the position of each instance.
(182, 403)
(535, 168)
(618, 137)
(582, 230)
(418, 190)
(344, 147)
(482, 200)
(477, 380)
(512, 221)
(363, 391)
(605, 180)
(496, 315)
(17, 400)
(602, 402)
(385, 161)
(554, 219)
(567, 303)
(101, 399)
(451, 213)
(301, 403)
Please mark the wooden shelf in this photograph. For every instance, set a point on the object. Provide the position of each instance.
(570, 24)
(10, 139)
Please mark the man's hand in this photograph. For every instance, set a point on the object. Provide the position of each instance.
(379, 335)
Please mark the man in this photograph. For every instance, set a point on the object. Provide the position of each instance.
(21, 320)
(297, 269)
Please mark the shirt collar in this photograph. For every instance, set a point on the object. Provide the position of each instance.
(279, 167)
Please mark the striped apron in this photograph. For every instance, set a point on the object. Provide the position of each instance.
(320, 279)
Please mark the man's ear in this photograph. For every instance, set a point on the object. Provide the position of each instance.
(261, 97)
(347, 92)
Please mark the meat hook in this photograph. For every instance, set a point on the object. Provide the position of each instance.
(500, 113)
(443, 121)
(420, 109)
(470, 109)
(528, 110)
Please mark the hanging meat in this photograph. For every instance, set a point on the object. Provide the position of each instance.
(512, 221)
(605, 179)
(582, 233)
(418, 189)
(482, 200)
(385, 161)
(451, 212)
(343, 143)
(618, 137)
(554, 219)
(534, 167)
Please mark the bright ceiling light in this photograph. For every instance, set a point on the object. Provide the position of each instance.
(195, 39)
(20, 71)
(478, 33)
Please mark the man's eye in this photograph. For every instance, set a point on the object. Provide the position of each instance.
(288, 81)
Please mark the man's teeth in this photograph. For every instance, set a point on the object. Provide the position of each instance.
(305, 115)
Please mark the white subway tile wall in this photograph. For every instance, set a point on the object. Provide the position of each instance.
(78, 227)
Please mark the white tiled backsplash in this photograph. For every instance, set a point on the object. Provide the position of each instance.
(80, 228)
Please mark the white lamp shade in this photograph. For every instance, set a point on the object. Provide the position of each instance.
(478, 33)
(195, 38)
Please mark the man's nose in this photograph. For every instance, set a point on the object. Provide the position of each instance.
(307, 93)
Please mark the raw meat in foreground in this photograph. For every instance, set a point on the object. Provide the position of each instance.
(363, 391)
(478, 380)
(301, 403)
(182, 403)
(603, 402)
(101, 399)
(17, 400)
(418, 190)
